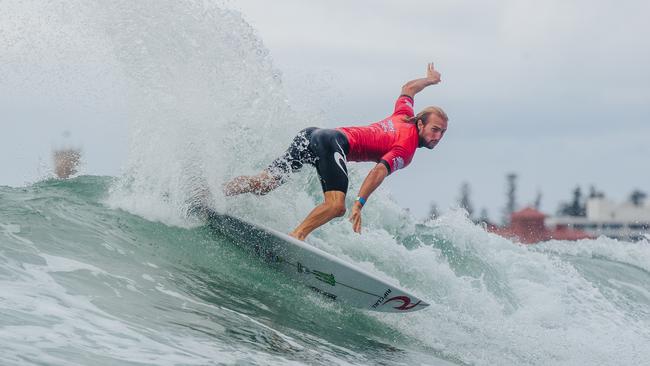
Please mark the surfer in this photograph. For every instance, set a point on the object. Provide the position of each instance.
(391, 143)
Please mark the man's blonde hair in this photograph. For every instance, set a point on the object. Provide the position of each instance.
(424, 115)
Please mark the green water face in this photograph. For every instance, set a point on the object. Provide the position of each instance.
(113, 287)
(84, 283)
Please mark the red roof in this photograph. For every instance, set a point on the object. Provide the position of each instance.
(527, 226)
(528, 213)
(564, 233)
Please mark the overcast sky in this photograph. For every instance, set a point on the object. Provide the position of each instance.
(556, 91)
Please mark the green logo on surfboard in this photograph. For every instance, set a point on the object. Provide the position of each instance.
(328, 278)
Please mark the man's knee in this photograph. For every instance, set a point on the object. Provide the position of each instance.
(337, 209)
(335, 202)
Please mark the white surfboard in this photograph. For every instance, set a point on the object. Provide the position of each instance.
(321, 271)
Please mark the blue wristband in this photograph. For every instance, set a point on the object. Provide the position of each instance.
(361, 200)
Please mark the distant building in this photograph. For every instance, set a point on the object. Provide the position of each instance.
(66, 162)
(625, 221)
(527, 227)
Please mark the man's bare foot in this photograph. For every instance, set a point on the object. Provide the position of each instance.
(260, 184)
(237, 186)
(295, 235)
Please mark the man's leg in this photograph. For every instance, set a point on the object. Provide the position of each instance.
(260, 184)
(276, 173)
(333, 175)
(334, 206)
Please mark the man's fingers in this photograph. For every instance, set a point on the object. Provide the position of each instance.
(432, 73)
(356, 223)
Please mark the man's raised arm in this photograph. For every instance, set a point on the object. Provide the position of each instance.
(415, 86)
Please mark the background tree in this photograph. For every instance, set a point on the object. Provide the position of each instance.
(484, 217)
(511, 197)
(637, 197)
(576, 207)
(538, 200)
(464, 200)
(433, 211)
(593, 193)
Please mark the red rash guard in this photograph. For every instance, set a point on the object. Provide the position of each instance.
(390, 141)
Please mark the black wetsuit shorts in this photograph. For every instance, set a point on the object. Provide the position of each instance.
(326, 149)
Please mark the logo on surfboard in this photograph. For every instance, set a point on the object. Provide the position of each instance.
(328, 278)
(406, 302)
(381, 299)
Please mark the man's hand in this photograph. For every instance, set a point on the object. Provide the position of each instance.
(415, 86)
(372, 181)
(432, 74)
(355, 217)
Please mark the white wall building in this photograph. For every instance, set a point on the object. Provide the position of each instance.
(621, 221)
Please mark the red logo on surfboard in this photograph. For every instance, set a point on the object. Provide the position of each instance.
(406, 302)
